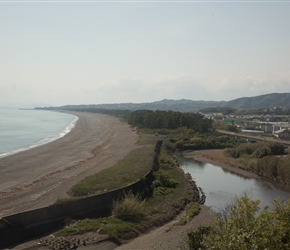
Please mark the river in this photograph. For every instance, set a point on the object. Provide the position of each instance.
(221, 186)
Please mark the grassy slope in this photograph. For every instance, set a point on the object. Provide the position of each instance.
(158, 209)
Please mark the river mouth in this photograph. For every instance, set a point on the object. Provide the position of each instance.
(221, 186)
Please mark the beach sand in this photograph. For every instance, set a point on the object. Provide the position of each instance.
(38, 177)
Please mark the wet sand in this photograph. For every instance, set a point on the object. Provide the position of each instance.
(38, 177)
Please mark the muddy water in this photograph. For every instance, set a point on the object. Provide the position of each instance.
(221, 186)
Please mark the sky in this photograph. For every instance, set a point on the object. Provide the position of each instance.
(56, 53)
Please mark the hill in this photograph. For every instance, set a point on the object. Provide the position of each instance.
(260, 102)
(183, 105)
(166, 104)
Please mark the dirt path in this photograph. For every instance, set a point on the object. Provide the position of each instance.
(170, 236)
(38, 177)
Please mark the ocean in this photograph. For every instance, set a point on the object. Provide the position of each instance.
(25, 129)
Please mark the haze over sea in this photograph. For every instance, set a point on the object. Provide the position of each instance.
(24, 129)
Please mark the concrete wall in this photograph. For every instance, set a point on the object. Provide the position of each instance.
(18, 228)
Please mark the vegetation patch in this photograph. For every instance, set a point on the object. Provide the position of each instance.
(267, 159)
(115, 228)
(129, 170)
(163, 183)
(130, 208)
(195, 239)
(192, 209)
(256, 150)
(187, 139)
(243, 225)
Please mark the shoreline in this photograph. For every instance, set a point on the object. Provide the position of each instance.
(67, 129)
(216, 158)
(38, 177)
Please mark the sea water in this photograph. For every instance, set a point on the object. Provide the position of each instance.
(25, 129)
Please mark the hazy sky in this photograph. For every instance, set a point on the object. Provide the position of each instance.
(56, 53)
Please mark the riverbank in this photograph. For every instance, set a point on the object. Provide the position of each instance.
(172, 236)
(38, 177)
(217, 157)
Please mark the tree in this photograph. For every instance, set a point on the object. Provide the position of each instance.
(242, 225)
(169, 120)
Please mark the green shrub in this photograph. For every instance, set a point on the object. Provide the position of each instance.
(262, 152)
(277, 148)
(163, 180)
(130, 208)
(259, 150)
(192, 209)
(115, 228)
(196, 238)
(161, 191)
(165, 161)
(242, 225)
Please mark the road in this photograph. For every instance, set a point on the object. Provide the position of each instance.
(254, 137)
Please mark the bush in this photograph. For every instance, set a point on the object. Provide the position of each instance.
(196, 238)
(242, 225)
(164, 161)
(259, 149)
(115, 228)
(263, 151)
(192, 209)
(163, 180)
(277, 148)
(130, 208)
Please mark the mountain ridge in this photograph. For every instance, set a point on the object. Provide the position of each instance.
(187, 105)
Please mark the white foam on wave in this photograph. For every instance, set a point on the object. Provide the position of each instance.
(66, 130)
(47, 140)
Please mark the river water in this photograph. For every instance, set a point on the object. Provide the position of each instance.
(221, 186)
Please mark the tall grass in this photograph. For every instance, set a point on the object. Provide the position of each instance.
(130, 208)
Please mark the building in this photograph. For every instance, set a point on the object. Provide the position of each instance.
(282, 133)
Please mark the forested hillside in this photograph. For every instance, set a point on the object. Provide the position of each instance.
(246, 103)
(259, 102)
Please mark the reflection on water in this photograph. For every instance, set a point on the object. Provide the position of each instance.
(221, 186)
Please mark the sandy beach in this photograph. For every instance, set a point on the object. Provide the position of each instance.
(38, 177)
